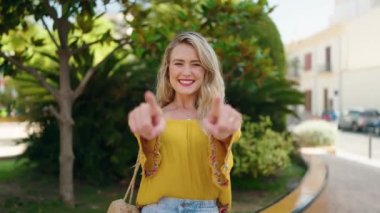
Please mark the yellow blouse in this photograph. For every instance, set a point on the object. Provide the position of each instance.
(183, 162)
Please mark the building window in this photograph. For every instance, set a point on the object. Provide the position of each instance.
(294, 67)
(328, 58)
(308, 97)
(308, 62)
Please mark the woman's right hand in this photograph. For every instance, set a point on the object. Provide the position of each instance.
(147, 119)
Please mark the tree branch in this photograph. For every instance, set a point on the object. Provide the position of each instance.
(50, 34)
(50, 10)
(79, 90)
(85, 46)
(53, 111)
(33, 72)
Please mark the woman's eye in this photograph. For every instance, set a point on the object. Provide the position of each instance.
(197, 65)
(178, 64)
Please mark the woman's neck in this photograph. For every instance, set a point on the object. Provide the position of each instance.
(184, 102)
(182, 107)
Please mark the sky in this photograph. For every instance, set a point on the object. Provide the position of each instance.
(297, 19)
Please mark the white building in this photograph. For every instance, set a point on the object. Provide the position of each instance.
(339, 68)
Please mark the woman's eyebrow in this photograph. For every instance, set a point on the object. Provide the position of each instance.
(179, 60)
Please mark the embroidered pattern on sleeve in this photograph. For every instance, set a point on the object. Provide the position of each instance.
(217, 175)
(156, 159)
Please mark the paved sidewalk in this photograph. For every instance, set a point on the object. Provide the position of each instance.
(351, 187)
(13, 130)
(10, 132)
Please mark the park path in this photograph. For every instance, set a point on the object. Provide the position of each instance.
(351, 187)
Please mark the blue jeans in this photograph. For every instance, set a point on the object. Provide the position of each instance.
(174, 205)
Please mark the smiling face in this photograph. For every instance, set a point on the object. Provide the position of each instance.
(186, 73)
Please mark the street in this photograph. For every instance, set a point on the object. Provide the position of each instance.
(356, 145)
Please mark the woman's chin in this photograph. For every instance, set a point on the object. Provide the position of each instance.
(186, 91)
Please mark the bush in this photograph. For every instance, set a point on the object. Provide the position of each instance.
(315, 133)
(104, 148)
(261, 151)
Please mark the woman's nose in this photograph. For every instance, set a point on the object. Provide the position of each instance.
(187, 70)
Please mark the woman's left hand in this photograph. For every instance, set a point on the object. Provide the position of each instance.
(222, 120)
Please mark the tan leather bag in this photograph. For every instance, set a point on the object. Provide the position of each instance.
(122, 205)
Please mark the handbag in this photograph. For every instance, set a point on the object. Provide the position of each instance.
(122, 205)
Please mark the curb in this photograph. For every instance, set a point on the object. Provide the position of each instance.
(311, 186)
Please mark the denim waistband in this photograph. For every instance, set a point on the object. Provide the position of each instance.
(167, 201)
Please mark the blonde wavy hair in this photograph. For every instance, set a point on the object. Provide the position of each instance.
(213, 84)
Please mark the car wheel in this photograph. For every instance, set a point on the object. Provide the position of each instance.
(355, 127)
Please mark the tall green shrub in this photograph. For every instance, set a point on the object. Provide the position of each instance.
(260, 151)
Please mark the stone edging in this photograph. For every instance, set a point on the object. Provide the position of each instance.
(311, 186)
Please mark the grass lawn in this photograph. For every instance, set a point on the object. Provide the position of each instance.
(22, 190)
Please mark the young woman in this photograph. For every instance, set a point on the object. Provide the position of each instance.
(185, 135)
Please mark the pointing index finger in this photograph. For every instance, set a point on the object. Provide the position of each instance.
(151, 100)
(215, 109)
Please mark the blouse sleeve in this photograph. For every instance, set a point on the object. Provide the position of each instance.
(221, 159)
(149, 155)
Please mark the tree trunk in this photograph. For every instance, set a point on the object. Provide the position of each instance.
(66, 156)
(66, 161)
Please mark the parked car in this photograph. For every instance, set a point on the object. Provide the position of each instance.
(374, 126)
(358, 119)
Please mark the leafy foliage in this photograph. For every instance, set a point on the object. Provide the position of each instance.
(103, 145)
(247, 43)
(241, 32)
(68, 25)
(261, 151)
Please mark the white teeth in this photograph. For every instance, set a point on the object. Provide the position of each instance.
(186, 82)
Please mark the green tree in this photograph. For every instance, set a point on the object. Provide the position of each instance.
(67, 23)
(247, 43)
(103, 146)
